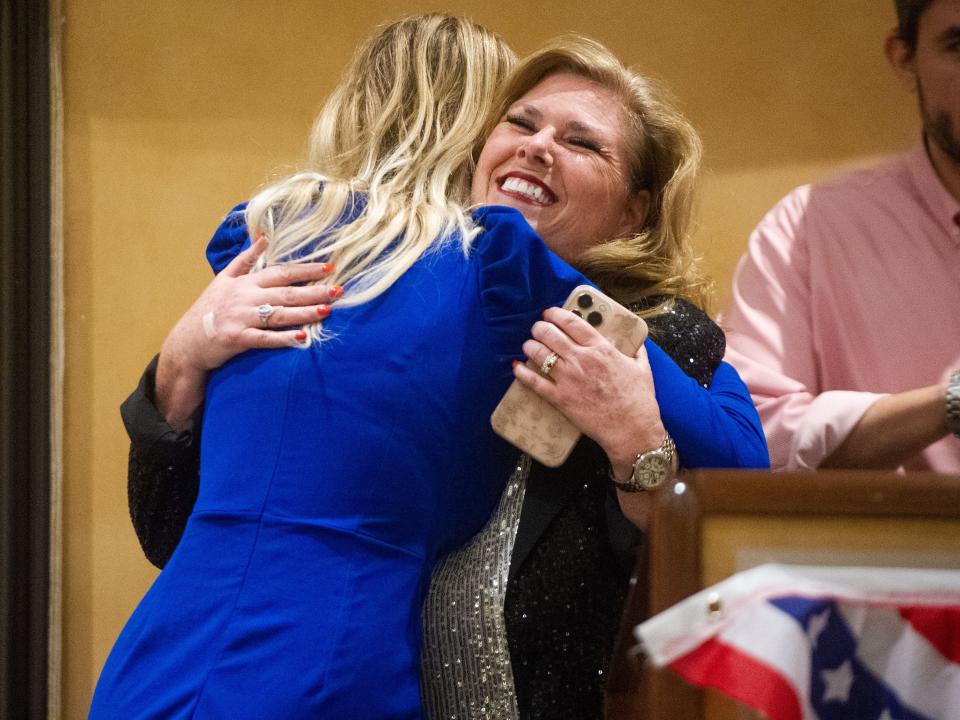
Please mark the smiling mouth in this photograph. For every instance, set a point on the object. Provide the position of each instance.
(526, 189)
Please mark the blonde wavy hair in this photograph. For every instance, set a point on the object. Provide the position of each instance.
(664, 153)
(391, 157)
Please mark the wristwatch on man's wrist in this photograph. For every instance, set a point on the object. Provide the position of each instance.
(651, 468)
(953, 403)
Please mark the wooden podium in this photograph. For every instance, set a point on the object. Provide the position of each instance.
(708, 525)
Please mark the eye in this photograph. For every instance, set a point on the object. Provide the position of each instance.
(584, 143)
(520, 122)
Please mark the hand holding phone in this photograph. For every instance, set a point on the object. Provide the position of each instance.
(534, 425)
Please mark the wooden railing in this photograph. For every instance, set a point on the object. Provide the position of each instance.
(709, 524)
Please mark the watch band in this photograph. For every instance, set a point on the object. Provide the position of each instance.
(953, 403)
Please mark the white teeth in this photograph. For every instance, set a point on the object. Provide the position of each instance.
(534, 192)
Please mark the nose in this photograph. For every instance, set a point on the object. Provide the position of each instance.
(538, 147)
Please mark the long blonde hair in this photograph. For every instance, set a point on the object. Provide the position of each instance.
(664, 153)
(391, 156)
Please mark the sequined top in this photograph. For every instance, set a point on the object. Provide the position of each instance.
(465, 662)
(538, 645)
(567, 579)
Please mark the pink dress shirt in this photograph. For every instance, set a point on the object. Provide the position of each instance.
(848, 290)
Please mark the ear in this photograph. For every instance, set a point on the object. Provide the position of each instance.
(902, 60)
(635, 213)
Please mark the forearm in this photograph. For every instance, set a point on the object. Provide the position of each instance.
(179, 385)
(636, 507)
(892, 430)
(715, 427)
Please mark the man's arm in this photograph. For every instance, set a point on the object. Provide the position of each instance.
(771, 343)
(893, 430)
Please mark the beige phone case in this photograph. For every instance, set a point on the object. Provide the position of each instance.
(534, 425)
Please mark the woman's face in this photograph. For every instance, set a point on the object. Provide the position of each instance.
(559, 157)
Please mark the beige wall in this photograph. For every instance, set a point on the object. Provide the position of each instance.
(177, 109)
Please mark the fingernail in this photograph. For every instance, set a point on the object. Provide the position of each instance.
(301, 336)
(259, 236)
(336, 291)
(327, 267)
(323, 310)
(514, 363)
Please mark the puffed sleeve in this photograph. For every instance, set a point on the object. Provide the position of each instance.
(519, 276)
(229, 240)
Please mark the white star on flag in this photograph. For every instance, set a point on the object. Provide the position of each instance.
(838, 683)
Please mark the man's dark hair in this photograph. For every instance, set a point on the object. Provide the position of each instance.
(908, 20)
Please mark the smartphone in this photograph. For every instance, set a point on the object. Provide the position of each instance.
(531, 423)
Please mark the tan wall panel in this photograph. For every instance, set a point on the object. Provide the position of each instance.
(176, 110)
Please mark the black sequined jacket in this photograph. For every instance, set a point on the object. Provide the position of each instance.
(572, 557)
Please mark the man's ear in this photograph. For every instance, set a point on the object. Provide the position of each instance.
(902, 60)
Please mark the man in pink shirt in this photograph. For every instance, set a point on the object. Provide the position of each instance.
(845, 317)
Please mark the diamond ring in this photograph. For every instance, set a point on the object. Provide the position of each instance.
(264, 312)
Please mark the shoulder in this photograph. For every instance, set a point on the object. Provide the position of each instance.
(870, 181)
(514, 260)
(691, 339)
(230, 238)
(862, 191)
(501, 226)
(840, 200)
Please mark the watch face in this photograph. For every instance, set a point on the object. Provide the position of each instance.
(652, 470)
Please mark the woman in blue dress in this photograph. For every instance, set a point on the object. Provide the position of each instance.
(297, 588)
(344, 471)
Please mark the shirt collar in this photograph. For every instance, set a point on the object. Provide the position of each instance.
(942, 205)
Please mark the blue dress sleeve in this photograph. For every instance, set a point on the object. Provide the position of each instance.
(229, 240)
(519, 277)
(716, 427)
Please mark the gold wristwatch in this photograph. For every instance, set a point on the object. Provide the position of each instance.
(651, 468)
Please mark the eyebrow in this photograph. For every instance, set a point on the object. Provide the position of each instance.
(528, 110)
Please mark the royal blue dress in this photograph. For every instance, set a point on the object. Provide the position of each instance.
(332, 479)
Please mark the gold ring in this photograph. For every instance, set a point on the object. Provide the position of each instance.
(549, 364)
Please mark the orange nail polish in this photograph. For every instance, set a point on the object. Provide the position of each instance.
(336, 291)
(259, 236)
(514, 363)
(301, 336)
(327, 267)
(323, 310)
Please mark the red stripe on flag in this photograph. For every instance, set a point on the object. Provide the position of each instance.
(717, 665)
(939, 625)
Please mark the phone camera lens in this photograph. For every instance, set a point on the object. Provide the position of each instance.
(585, 301)
(595, 319)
